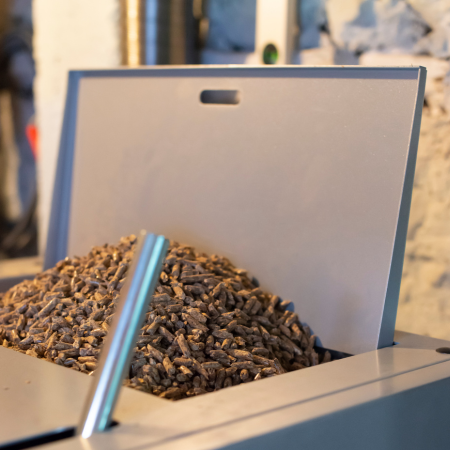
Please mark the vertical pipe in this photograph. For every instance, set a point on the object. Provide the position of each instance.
(151, 32)
(159, 32)
(132, 32)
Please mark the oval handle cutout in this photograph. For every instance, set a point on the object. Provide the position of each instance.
(220, 97)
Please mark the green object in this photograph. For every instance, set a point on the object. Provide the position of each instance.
(270, 54)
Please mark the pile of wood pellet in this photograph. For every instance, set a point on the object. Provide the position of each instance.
(209, 326)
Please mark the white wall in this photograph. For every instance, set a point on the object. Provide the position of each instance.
(68, 35)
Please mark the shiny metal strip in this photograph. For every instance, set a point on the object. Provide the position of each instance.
(116, 355)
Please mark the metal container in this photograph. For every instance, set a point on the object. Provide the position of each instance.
(302, 175)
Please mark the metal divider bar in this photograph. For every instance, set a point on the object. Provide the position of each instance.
(116, 355)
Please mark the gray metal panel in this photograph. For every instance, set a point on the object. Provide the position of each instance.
(59, 216)
(393, 288)
(301, 183)
(405, 410)
(54, 398)
(402, 413)
(13, 271)
(39, 398)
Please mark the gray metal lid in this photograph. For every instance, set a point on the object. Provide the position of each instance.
(306, 182)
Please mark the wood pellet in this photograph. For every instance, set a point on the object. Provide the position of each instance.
(209, 325)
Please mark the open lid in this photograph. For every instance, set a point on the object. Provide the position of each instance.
(303, 177)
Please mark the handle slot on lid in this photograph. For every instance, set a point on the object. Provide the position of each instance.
(220, 97)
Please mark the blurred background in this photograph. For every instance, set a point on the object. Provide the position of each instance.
(41, 40)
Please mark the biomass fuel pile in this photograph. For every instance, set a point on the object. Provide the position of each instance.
(209, 326)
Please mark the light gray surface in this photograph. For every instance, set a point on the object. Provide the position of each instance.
(55, 396)
(407, 412)
(375, 398)
(13, 271)
(301, 183)
(38, 397)
(20, 266)
(404, 339)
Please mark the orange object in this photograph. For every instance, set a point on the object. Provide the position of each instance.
(32, 135)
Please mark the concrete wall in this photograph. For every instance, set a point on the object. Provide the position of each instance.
(68, 35)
